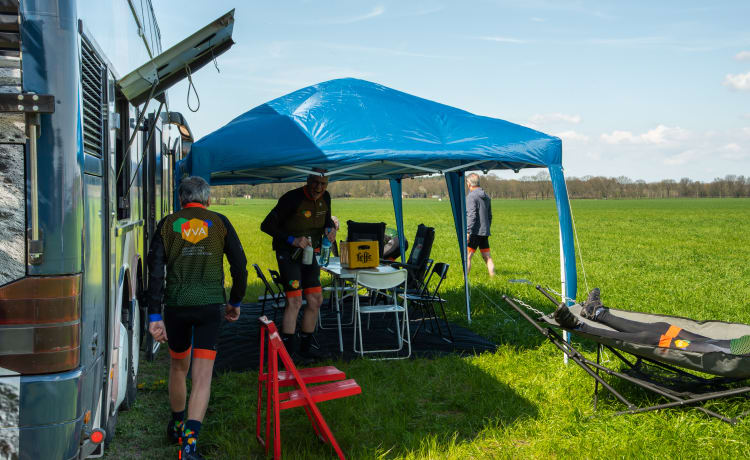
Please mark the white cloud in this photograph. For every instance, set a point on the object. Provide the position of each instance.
(739, 82)
(572, 136)
(618, 137)
(377, 11)
(554, 117)
(680, 158)
(660, 135)
(503, 39)
(663, 134)
(743, 55)
(734, 152)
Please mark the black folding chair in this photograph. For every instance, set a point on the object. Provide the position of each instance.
(270, 295)
(416, 265)
(367, 231)
(428, 298)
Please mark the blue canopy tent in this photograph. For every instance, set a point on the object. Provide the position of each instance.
(358, 130)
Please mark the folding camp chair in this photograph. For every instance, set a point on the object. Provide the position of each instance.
(382, 282)
(660, 370)
(270, 379)
(275, 298)
(426, 299)
(416, 265)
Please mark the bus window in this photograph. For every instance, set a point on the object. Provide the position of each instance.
(122, 159)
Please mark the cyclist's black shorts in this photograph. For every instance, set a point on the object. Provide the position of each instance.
(195, 324)
(296, 276)
(481, 242)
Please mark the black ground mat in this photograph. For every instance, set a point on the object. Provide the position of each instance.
(239, 342)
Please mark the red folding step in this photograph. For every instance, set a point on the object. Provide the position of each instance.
(270, 379)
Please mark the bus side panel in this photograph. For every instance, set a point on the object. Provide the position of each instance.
(50, 417)
(51, 66)
(94, 307)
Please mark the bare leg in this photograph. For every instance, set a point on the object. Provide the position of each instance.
(178, 369)
(201, 389)
(310, 318)
(468, 261)
(293, 304)
(488, 260)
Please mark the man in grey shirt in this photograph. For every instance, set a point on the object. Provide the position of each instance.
(478, 222)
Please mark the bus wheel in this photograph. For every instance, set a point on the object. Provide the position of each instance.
(109, 427)
(133, 326)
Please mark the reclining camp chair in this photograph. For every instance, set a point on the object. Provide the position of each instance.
(654, 368)
(416, 265)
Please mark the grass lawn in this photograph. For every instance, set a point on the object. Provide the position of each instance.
(679, 257)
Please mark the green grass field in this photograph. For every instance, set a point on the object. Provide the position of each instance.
(679, 257)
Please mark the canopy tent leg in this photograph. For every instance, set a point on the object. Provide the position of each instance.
(399, 212)
(455, 180)
(568, 277)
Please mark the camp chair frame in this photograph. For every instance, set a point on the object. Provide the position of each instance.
(679, 396)
(270, 379)
(426, 299)
(420, 252)
(277, 299)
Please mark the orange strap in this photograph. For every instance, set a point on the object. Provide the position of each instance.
(180, 354)
(202, 353)
(313, 290)
(295, 293)
(666, 339)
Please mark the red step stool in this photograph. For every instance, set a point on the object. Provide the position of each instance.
(270, 379)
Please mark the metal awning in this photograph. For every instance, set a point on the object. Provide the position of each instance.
(153, 78)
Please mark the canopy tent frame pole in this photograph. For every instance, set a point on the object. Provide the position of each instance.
(456, 182)
(568, 275)
(399, 214)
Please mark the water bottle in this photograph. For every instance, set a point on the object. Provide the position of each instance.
(325, 252)
(308, 253)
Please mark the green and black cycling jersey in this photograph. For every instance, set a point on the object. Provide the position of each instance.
(296, 214)
(191, 244)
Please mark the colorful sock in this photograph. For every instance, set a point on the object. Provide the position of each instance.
(194, 426)
(178, 416)
(190, 436)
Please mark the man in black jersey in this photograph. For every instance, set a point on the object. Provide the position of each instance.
(300, 214)
(190, 244)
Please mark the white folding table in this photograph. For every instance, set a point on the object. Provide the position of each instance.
(340, 277)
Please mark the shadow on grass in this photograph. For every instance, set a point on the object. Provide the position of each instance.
(494, 319)
(406, 407)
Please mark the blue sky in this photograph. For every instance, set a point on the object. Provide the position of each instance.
(649, 90)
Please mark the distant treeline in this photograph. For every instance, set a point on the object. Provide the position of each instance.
(525, 188)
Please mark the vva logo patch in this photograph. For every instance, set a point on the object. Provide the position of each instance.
(192, 230)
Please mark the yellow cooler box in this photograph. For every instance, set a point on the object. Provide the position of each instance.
(359, 254)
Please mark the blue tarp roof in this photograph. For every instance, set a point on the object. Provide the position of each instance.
(345, 122)
(358, 130)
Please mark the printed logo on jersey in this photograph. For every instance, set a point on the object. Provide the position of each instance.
(681, 344)
(192, 230)
(308, 214)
